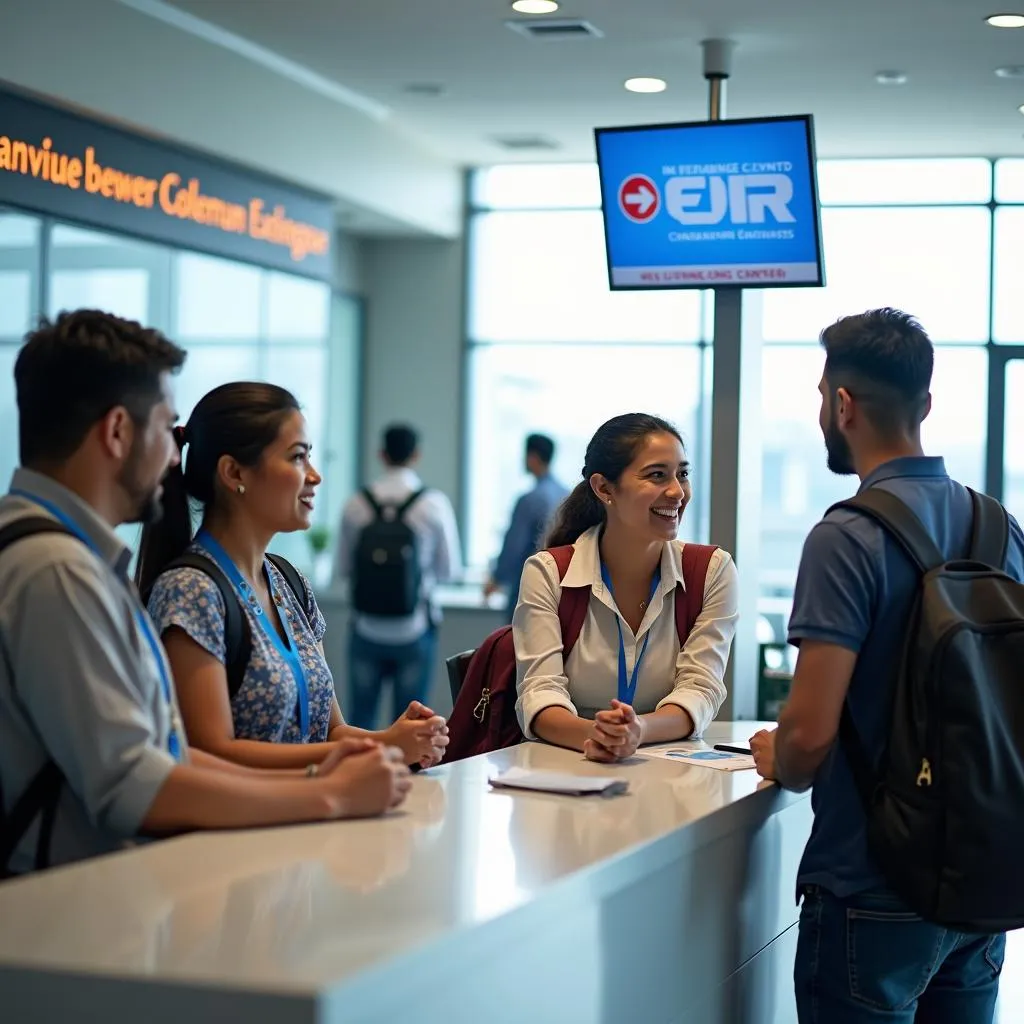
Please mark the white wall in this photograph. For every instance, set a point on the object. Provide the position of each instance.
(413, 355)
(348, 255)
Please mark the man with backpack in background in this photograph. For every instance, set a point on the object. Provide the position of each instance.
(531, 518)
(906, 712)
(398, 540)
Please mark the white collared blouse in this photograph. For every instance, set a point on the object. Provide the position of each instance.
(691, 677)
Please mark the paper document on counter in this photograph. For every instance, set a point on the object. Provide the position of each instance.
(559, 782)
(701, 756)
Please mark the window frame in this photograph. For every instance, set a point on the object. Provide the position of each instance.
(997, 354)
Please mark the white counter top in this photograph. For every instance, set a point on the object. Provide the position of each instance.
(306, 910)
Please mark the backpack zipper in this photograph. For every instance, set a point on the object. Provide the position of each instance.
(480, 711)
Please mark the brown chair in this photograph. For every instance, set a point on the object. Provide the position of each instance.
(457, 665)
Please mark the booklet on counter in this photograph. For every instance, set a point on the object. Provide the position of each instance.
(717, 759)
(559, 782)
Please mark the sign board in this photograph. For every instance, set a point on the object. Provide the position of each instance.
(711, 204)
(66, 166)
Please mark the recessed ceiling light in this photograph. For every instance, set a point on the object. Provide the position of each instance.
(645, 84)
(1014, 71)
(1006, 20)
(1021, 108)
(535, 6)
(891, 78)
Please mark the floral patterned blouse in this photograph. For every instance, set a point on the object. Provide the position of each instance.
(265, 707)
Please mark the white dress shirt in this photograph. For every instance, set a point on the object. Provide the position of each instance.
(691, 677)
(432, 519)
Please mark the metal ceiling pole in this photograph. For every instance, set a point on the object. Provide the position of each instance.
(736, 444)
(717, 68)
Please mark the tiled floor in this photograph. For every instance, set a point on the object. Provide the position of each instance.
(1011, 985)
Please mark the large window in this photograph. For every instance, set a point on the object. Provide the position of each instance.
(565, 392)
(551, 348)
(237, 322)
(20, 242)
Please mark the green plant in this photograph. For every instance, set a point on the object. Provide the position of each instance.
(318, 538)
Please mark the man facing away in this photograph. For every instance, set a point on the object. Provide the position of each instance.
(92, 749)
(862, 955)
(398, 541)
(531, 518)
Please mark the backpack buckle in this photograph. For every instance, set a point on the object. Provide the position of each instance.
(480, 711)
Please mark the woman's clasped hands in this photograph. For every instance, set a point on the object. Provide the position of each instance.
(615, 735)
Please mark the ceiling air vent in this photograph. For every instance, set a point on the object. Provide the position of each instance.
(520, 143)
(554, 30)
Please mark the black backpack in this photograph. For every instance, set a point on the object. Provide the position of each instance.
(237, 635)
(945, 807)
(42, 794)
(387, 578)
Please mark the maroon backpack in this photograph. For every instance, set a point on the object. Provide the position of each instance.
(484, 716)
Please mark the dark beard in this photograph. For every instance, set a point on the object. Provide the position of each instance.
(839, 458)
(148, 510)
(145, 499)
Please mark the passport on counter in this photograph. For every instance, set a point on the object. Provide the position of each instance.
(559, 782)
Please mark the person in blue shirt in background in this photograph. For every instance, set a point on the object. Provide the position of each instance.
(862, 955)
(531, 518)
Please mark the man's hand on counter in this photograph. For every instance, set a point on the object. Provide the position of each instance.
(367, 783)
(762, 746)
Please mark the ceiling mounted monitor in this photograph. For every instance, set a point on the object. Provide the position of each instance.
(711, 204)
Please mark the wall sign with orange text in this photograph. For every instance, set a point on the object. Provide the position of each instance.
(66, 166)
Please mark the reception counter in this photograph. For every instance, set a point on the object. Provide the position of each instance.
(672, 903)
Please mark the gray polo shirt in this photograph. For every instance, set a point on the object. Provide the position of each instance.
(78, 680)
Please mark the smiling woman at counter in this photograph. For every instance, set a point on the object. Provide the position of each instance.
(650, 660)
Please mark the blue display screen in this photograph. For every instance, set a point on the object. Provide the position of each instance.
(711, 204)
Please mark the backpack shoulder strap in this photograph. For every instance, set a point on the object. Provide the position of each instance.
(237, 637)
(990, 532)
(293, 578)
(29, 526)
(291, 575)
(574, 602)
(690, 599)
(409, 502)
(41, 796)
(899, 522)
(374, 504)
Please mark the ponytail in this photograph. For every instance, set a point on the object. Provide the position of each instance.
(166, 539)
(577, 514)
(240, 420)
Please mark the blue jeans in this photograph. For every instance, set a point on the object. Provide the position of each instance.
(868, 958)
(410, 667)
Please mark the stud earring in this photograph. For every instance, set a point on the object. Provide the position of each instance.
(241, 488)
(609, 501)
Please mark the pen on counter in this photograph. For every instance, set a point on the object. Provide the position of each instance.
(731, 750)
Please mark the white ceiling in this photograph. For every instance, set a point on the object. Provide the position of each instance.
(793, 56)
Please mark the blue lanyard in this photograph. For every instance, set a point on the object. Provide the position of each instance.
(141, 618)
(627, 684)
(289, 651)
